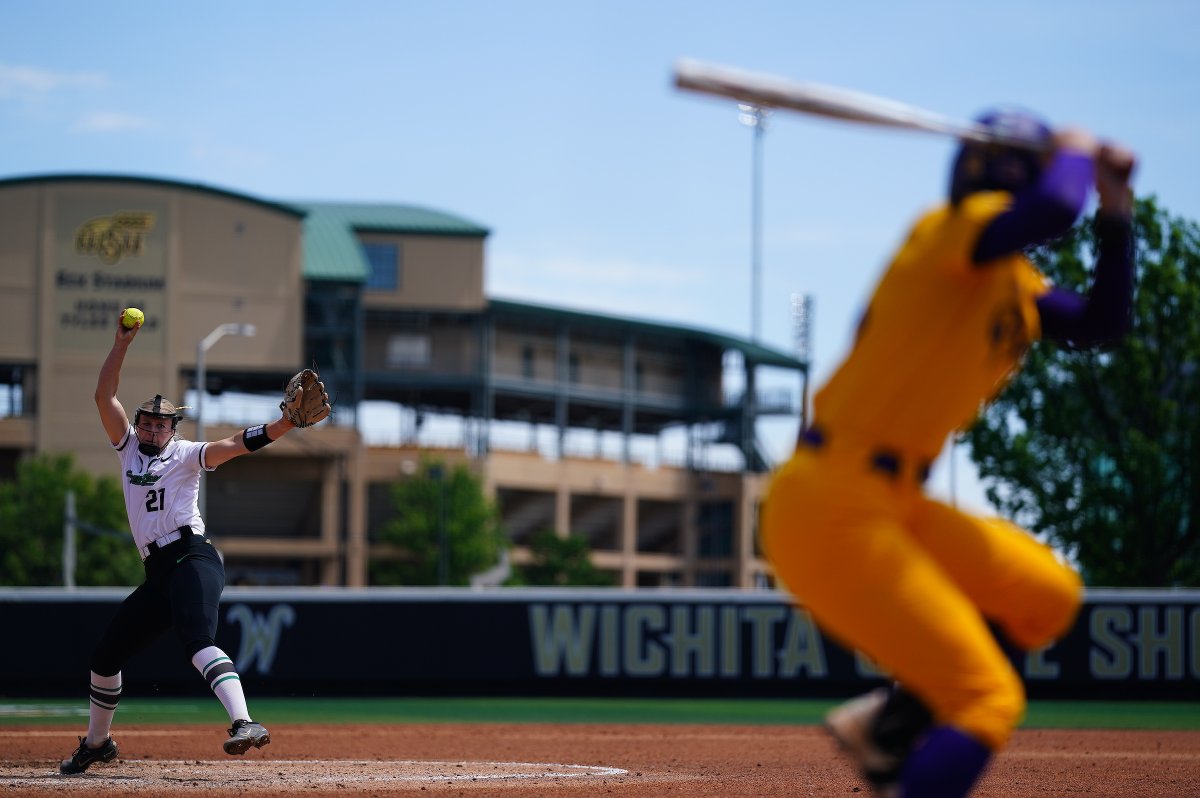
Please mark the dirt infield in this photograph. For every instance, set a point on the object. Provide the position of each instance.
(516, 761)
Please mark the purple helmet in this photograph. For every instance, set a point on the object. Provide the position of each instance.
(996, 167)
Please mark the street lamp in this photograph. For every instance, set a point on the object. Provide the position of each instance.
(755, 117)
(202, 347)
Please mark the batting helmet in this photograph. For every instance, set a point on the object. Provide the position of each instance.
(158, 407)
(996, 167)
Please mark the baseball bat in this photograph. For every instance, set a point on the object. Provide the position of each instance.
(772, 91)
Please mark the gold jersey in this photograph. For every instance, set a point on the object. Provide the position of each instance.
(940, 337)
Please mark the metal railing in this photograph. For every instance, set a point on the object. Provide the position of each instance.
(395, 427)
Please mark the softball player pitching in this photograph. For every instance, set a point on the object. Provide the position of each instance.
(911, 582)
(184, 574)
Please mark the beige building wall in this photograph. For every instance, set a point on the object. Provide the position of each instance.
(634, 486)
(658, 372)
(601, 364)
(76, 253)
(19, 243)
(662, 374)
(238, 263)
(436, 272)
(430, 348)
(508, 358)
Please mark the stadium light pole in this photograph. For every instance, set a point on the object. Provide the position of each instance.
(206, 343)
(755, 117)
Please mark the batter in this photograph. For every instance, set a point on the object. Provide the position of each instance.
(909, 581)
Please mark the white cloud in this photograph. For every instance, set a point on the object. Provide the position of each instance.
(111, 122)
(16, 80)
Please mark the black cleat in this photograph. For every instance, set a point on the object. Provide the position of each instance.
(83, 757)
(852, 726)
(244, 735)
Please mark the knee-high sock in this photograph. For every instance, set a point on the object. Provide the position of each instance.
(105, 693)
(945, 765)
(217, 669)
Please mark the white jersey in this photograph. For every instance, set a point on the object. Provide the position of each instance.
(161, 491)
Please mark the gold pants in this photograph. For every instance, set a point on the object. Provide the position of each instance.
(909, 582)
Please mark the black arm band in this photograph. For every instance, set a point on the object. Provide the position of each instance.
(255, 438)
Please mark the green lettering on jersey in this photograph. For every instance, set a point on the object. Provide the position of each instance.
(142, 479)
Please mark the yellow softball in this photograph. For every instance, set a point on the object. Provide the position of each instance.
(132, 317)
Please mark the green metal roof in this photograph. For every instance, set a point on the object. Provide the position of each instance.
(331, 247)
(755, 352)
(383, 218)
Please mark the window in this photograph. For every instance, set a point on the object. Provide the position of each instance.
(527, 362)
(408, 350)
(384, 261)
(714, 523)
(573, 368)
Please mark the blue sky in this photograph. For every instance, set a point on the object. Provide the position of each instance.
(555, 125)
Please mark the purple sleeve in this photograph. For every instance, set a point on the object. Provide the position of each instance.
(1103, 315)
(1044, 211)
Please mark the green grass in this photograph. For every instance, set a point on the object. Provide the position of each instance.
(1165, 715)
(1041, 714)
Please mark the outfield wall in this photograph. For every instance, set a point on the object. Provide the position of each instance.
(333, 642)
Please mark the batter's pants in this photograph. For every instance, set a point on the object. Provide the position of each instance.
(911, 583)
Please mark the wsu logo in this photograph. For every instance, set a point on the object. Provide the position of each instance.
(111, 238)
(260, 634)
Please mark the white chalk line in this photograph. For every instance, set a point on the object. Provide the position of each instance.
(545, 769)
(80, 710)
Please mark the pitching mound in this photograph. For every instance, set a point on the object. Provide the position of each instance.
(185, 775)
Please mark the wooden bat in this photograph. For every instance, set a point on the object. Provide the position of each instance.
(771, 91)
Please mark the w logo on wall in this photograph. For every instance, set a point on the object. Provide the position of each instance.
(260, 634)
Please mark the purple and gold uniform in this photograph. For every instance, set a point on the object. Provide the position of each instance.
(939, 338)
(909, 581)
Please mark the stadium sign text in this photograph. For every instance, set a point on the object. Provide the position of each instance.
(1111, 642)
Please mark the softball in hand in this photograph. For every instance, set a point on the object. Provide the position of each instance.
(132, 317)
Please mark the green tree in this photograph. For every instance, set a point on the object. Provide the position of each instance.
(32, 512)
(562, 561)
(1100, 451)
(439, 504)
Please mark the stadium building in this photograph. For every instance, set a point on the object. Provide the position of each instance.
(568, 417)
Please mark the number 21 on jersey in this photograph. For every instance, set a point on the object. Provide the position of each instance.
(155, 500)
